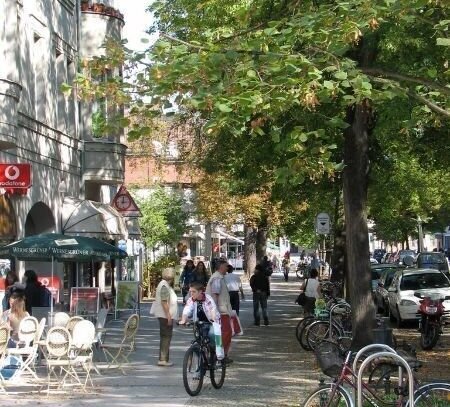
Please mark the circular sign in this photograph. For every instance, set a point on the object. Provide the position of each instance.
(12, 172)
(123, 202)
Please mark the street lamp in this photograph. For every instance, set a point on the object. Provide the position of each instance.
(62, 190)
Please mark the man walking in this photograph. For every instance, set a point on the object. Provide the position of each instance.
(217, 289)
(260, 285)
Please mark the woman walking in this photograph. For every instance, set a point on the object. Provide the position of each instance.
(200, 274)
(311, 288)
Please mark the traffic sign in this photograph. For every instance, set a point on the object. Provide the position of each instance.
(124, 203)
(323, 224)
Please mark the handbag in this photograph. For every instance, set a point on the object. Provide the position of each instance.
(301, 299)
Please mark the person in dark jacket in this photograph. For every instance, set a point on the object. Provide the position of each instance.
(34, 291)
(186, 278)
(259, 282)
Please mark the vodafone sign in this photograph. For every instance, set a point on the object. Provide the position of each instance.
(15, 175)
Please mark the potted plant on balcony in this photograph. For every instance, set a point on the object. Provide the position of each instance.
(99, 7)
(84, 5)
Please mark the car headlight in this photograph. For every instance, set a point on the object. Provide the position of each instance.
(407, 302)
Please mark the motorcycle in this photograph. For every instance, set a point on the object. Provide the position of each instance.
(431, 321)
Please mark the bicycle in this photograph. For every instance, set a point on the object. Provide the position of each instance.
(337, 394)
(200, 358)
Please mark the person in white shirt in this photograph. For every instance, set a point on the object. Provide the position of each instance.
(234, 286)
(311, 288)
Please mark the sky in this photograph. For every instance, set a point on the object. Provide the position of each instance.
(137, 20)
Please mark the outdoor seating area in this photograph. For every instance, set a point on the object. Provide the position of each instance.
(63, 356)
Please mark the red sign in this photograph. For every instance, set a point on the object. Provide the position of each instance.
(15, 175)
(124, 203)
(53, 284)
(84, 300)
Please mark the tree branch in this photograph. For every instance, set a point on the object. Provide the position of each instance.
(435, 108)
(240, 34)
(405, 78)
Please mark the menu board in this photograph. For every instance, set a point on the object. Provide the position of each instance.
(127, 295)
(84, 300)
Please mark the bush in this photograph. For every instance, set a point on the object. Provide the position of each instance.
(152, 273)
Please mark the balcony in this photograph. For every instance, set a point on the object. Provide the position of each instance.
(9, 100)
(98, 23)
(104, 162)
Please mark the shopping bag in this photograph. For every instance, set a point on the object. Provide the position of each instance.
(220, 353)
(236, 326)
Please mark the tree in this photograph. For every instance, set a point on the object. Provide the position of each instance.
(302, 78)
(164, 219)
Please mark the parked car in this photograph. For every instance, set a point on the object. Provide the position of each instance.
(433, 260)
(401, 254)
(403, 305)
(381, 299)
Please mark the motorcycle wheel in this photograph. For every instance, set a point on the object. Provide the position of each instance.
(429, 336)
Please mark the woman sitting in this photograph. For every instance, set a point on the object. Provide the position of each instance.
(14, 315)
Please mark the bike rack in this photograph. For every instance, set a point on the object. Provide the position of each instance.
(381, 346)
(399, 359)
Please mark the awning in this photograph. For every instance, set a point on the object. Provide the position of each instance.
(94, 219)
(134, 231)
(230, 237)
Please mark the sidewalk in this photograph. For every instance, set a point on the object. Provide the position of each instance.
(269, 369)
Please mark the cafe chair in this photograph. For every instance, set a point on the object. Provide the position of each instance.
(70, 325)
(82, 353)
(61, 319)
(30, 332)
(116, 354)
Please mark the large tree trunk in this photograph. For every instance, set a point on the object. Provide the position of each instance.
(249, 249)
(261, 242)
(357, 237)
(338, 256)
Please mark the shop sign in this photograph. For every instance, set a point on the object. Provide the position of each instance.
(15, 175)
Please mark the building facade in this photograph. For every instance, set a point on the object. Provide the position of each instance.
(43, 42)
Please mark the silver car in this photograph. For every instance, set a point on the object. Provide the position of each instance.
(403, 305)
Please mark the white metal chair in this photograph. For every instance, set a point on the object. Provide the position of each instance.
(70, 325)
(58, 347)
(82, 341)
(60, 319)
(30, 331)
(118, 353)
(100, 325)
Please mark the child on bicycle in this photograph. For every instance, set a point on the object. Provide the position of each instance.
(201, 307)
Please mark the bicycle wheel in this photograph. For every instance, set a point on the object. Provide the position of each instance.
(383, 379)
(433, 395)
(217, 372)
(327, 396)
(318, 331)
(193, 371)
(301, 325)
(304, 330)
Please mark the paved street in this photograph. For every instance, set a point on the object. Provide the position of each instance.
(269, 367)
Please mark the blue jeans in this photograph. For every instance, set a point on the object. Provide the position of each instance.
(260, 298)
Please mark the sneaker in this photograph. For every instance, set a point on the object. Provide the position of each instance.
(227, 360)
(266, 322)
(164, 363)
(257, 323)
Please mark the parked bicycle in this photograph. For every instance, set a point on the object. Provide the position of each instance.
(201, 358)
(339, 392)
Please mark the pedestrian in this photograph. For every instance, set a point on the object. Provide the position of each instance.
(260, 285)
(315, 263)
(217, 289)
(186, 278)
(286, 268)
(36, 295)
(200, 274)
(234, 285)
(311, 288)
(11, 283)
(165, 308)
